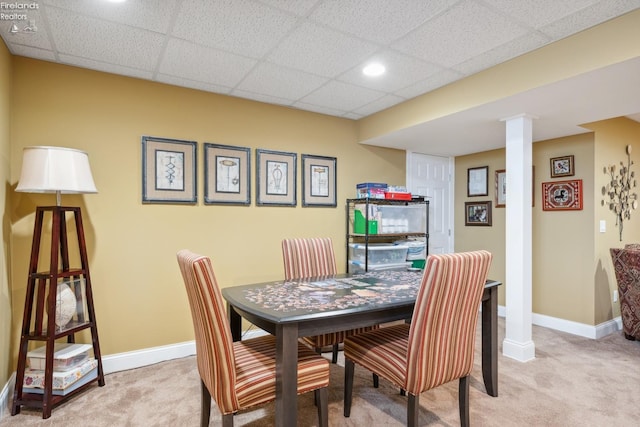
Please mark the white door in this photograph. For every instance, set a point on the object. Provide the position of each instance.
(432, 176)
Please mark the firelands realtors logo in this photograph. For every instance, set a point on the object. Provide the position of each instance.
(18, 14)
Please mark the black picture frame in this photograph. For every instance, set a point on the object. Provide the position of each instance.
(275, 178)
(562, 166)
(477, 213)
(478, 181)
(227, 175)
(169, 171)
(319, 187)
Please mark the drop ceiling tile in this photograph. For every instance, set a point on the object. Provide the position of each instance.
(459, 34)
(540, 12)
(321, 51)
(401, 71)
(267, 78)
(586, 18)
(261, 98)
(33, 52)
(298, 7)
(149, 15)
(439, 79)
(192, 84)
(365, 18)
(502, 53)
(240, 26)
(105, 67)
(319, 109)
(204, 64)
(25, 35)
(379, 105)
(341, 96)
(104, 41)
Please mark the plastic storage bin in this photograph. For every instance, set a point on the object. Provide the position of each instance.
(378, 253)
(356, 267)
(402, 219)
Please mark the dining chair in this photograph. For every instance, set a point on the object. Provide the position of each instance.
(242, 374)
(626, 267)
(314, 257)
(438, 345)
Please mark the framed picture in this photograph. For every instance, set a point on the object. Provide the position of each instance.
(501, 188)
(275, 178)
(169, 171)
(477, 213)
(562, 166)
(562, 195)
(478, 181)
(318, 181)
(227, 174)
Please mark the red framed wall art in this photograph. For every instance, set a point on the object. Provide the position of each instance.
(562, 195)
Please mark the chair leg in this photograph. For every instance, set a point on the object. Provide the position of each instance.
(334, 357)
(349, 368)
(376, 381)
(403, 392)
(322, 397)
(205, 405)
(227, 420)
(463, 391)
(413, 407)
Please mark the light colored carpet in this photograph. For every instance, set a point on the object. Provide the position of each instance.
(573, 381)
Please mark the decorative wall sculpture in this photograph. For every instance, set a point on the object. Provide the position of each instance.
(621, 198)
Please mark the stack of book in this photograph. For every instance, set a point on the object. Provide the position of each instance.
(72, 368)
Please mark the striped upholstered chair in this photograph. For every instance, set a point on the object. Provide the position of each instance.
(314, 257)
(438, 345)
(239, 375)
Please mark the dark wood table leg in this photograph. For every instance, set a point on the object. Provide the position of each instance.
(235, 323)
(286, 375)
(490, 340)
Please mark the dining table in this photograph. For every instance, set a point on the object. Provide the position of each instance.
(318, 305)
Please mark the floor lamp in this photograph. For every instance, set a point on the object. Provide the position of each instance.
(59, 300)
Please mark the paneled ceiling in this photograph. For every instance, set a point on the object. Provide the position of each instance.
(305, 54)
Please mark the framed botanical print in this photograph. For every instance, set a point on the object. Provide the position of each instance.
(318, 181)
(562, 166)
(478, 181)
(227, 174)
(275, 178)
(169, 171)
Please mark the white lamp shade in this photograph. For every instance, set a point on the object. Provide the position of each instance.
(55, 169)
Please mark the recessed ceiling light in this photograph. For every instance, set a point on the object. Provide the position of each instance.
(374, 69)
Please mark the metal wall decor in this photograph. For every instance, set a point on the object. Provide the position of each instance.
(621, 198)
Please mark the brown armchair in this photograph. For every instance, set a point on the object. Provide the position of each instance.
(626, 264)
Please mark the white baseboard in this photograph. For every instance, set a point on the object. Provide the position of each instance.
(149, 356)
(571, 327)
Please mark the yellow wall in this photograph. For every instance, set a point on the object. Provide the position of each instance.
(6, 366)
(572, 270)
(612, 137)
(139, 296)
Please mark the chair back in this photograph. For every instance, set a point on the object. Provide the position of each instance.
(626, 265)
(214, 345)
(308, 257)
(443, 327)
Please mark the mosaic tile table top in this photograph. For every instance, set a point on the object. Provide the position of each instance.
(331, 293)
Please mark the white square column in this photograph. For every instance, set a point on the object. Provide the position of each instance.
(518, 242)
